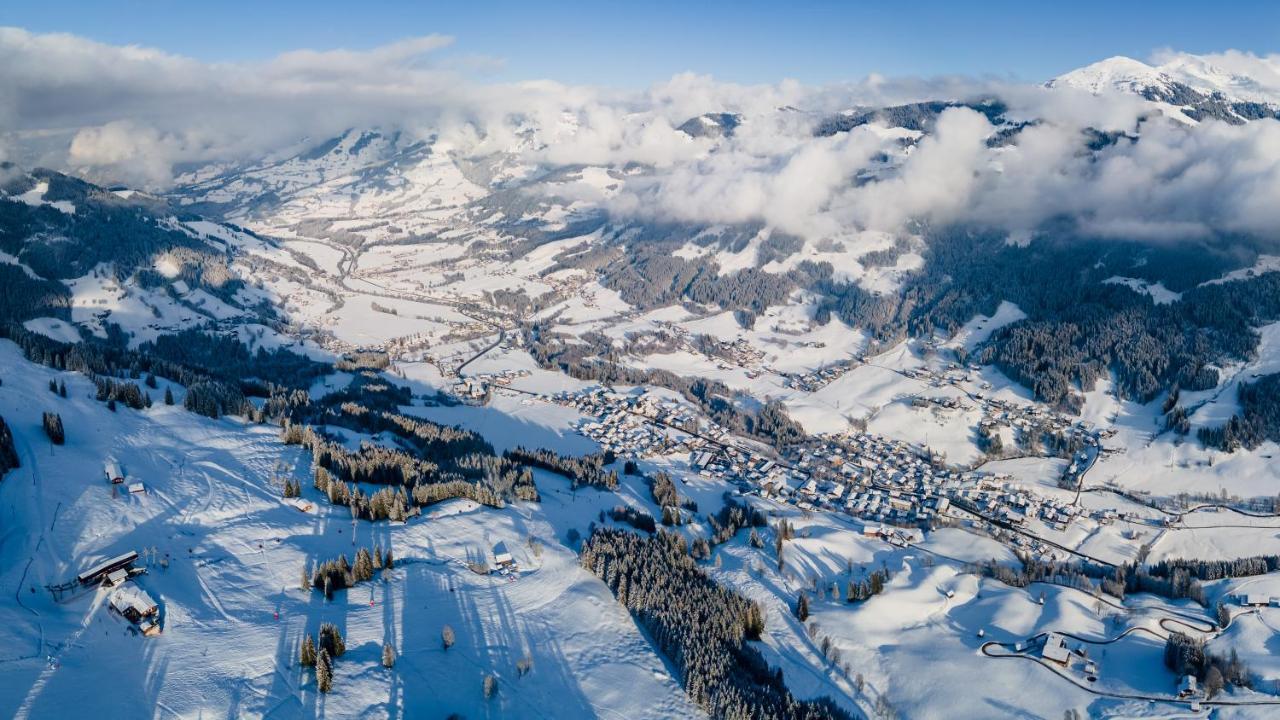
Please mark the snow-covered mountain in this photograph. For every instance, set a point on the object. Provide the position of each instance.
(947, 442)
(711, 125)
(1189, 86)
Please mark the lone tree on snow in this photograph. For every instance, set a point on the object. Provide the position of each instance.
(490, 686)
(388, 655)
(53, 428)
(446, 637)
(324, 671)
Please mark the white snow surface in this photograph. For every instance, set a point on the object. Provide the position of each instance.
(231, 610)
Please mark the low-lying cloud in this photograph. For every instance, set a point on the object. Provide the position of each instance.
(134, 114)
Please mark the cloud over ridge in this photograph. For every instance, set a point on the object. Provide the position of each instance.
(133, 114)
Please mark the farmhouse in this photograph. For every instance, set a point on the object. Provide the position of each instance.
(1187, 687)
(1055, 649)
(502, 557)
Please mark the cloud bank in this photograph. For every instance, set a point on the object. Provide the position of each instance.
(133, 114)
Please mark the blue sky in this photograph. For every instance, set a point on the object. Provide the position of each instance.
(636, 43)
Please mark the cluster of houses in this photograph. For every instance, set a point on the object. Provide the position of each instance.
(997, 413)
(125, 597)
(1256, 600)
(1023, 419)
(866, 476)
(889, 482)
(475, 388)
(952, 374)
(878, 480)
(739, 352)
(815, 380)
(639, 425)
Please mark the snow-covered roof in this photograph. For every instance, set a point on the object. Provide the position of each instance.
(1055, 649)
(501, 554)
(131, 596)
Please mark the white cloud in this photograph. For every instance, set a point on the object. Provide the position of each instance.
(130, 113)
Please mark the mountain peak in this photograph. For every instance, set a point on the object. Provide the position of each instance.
(1114, 73)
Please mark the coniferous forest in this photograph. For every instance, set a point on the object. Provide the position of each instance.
(703, 629)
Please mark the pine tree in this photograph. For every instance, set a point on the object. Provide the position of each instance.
(62, 388)
(151, 381)
(306, 579)
(388, 563)
(388, 655)
(324, 671)
(331, 640)
(1213, 681)
(307, 654)
(753, 623)
(168, 396)
(53, 428)
(490, 686)
(446, 637)
(53, 386)
(111, 404)
(802, 608)
(363, 569)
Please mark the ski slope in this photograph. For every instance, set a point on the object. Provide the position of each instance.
(232, 610)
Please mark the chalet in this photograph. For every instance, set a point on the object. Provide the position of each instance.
(502, 557)
(113, 472)
(137, 488)
(1187, 687)
(136, 606)
(1055, 649)
(133, 603)
(1253, 600)
(96, 573)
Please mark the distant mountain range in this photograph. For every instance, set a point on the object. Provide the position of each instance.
(1187, 87)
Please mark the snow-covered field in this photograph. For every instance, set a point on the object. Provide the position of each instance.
(233, 613)
(448, 264)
